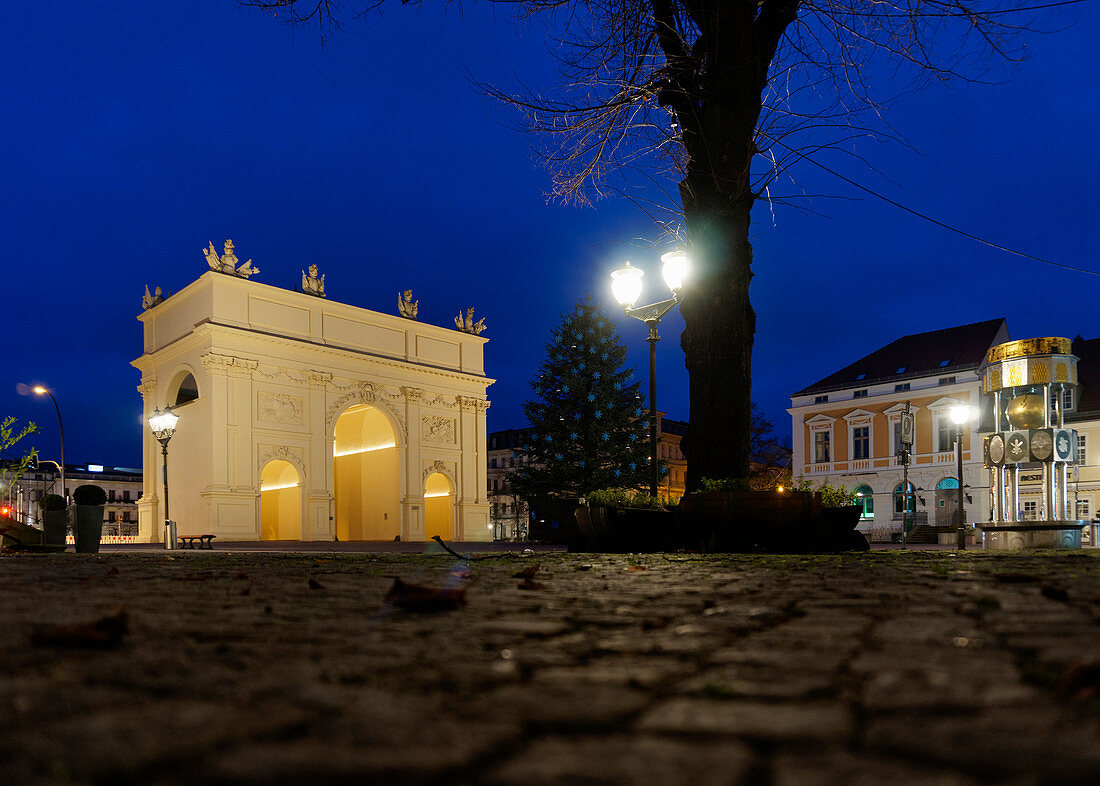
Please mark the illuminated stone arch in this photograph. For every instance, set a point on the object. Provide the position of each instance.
(439, 489)
(182, 387)
(367, 453)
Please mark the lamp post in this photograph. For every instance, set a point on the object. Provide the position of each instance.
(960, 414)
(163, 425)
(626, 285)
(41, 391)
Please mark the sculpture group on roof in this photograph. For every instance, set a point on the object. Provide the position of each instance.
(312, 284)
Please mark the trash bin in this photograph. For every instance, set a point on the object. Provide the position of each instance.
(170, 534)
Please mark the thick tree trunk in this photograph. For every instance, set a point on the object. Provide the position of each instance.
(718, 339)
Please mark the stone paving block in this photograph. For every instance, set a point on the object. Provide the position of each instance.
(623, 759)
(822, 722)
(841, 768)
(1016, 742)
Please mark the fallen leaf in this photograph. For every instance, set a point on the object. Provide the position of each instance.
(425, 599)
(104, 633)
(241, 577)
(528, 584)
(246, 591)
(527, 572)
(314, 584)
(1081, 682)
(114, 571)
(636, 567)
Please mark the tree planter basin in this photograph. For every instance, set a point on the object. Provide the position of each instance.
(628, 529)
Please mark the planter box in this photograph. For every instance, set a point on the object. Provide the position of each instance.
(748, 520)
(553, 520)
(768, 521)
(55, 524)
(87, 528)
(628, 529)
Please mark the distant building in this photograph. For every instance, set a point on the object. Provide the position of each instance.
(122, 484)
(509, 513)
(845, 428)
(1083, 414)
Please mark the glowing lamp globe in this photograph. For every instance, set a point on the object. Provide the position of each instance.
(626, 285)
(675, 268)
(960, 413)
(163, 423)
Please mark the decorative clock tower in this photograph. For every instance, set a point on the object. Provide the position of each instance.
(1024, 381)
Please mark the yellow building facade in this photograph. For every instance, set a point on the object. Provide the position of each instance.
(301, 418)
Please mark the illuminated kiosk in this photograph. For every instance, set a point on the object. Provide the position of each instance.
(1019, 382)
(301, 418)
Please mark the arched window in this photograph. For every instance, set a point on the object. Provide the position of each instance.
(948, 483)
(187, 391)
(866, 500)
(899, 497)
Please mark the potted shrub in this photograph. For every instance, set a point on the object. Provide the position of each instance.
(625, 520)
(88, 521)
(55, 519)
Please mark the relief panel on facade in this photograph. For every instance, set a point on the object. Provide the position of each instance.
(281, 408)
(438, 429)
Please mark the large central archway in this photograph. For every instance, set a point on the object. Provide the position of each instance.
(365, 471)
(280, 502)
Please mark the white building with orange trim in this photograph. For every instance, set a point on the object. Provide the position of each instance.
(301, 418)
(845, 428)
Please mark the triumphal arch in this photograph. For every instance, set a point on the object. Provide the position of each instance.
(301, 418)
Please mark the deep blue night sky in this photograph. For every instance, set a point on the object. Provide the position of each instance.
(133, 133)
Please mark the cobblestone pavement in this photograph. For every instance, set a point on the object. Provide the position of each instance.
(874, 668)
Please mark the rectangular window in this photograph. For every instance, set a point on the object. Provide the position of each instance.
(821, 399)
(821, 447)
(902, 387)
(1083, 509)
(1031, 510)
(493, 463)
(1067, 399)
(945, 434)
(126, 495)
(861, 442)
(860, 393)
(1082, 449)
(111, 495)
(947, 381)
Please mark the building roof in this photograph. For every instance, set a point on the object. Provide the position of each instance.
(937, 352)
(1088, 374)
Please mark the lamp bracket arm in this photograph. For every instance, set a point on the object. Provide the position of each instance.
(652, 313)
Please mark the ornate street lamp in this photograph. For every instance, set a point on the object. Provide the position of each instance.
(626, 285)
(41, 391)
(960, 414)
(163, 425)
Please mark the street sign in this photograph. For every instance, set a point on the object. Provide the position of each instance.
(908, 428)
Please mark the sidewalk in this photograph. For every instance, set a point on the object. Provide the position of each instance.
(231, 666)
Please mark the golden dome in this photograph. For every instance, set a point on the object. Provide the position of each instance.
(1026, 411)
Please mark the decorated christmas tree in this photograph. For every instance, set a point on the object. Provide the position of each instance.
(588, 428)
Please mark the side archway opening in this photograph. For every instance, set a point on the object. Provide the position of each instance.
(280, 501)
(438, 507)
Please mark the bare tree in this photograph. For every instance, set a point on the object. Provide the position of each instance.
(721, 97)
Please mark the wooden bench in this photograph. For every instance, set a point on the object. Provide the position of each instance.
(202, 541)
